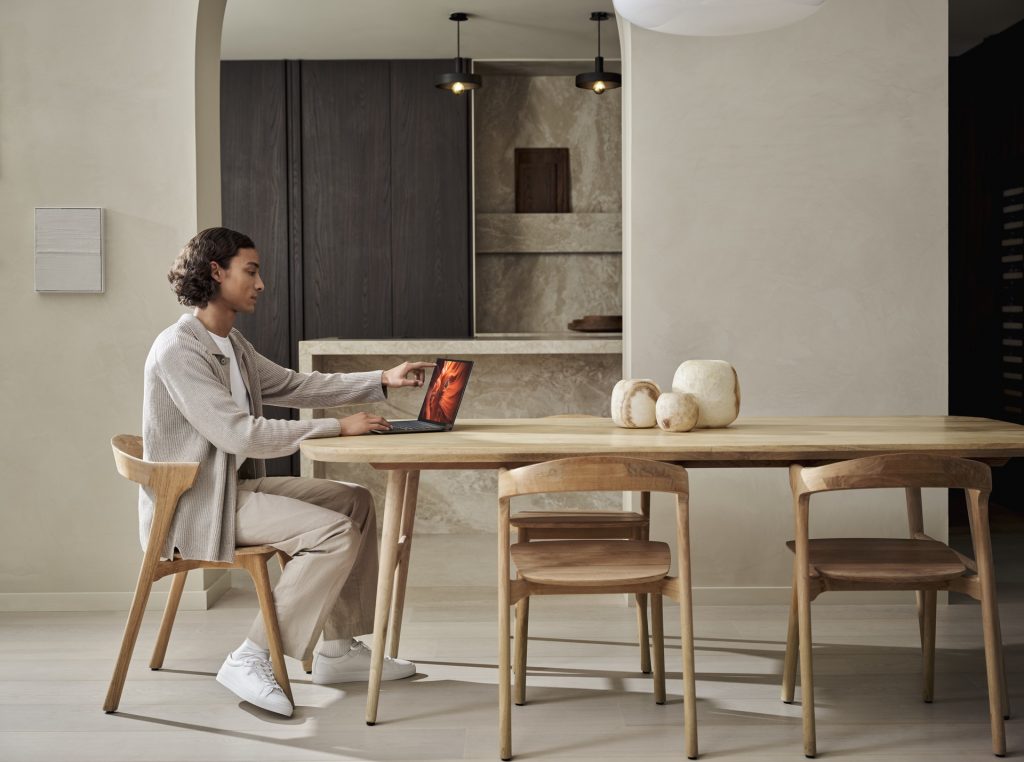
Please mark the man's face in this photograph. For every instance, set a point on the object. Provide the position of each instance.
(240, 282)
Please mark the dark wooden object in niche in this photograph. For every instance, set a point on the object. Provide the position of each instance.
(542, 180)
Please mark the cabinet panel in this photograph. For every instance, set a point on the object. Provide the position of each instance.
(254, 175)
(346, 258)
(430, 228)
(254, 201)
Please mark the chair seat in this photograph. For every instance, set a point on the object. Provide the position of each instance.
(254, 550)
(896, 561)
(244, 550)
(591, 563)
(576, 519)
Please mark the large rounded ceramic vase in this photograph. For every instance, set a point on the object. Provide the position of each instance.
(715, 385)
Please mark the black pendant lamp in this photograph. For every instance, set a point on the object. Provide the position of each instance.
(460, 80)
(599, 80)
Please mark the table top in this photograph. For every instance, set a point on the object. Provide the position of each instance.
(747, 442)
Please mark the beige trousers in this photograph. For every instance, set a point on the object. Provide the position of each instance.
(330, 531)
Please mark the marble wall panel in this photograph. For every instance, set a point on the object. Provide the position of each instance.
(465, 502)
(548, 112)
(579, 231)
(535, 293)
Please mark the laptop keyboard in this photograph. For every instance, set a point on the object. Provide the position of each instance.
(415, 426)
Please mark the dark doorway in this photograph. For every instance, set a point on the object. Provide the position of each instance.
(986, 271)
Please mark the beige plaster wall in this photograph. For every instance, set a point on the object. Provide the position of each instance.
(98, 107)
(785, 209)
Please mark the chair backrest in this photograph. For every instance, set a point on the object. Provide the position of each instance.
(167, 481)
(898, 470)
(128, 459)
(597, 473)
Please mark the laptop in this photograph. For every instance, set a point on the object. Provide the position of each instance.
(442, 400)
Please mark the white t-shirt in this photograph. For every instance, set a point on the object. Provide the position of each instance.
(238, 393)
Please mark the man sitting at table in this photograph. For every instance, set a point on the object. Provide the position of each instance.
(205, 386)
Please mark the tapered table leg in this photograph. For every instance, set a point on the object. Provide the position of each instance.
(412, 482)
(393, 501)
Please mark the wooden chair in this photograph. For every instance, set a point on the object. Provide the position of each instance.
(918, 563)
(582, 525)
(574, 567)
(168, 481)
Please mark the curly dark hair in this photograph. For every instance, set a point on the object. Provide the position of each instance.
(191, 276)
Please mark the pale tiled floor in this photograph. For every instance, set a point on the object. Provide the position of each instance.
(587, 699)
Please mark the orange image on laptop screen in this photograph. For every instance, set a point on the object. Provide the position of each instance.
(442, 400)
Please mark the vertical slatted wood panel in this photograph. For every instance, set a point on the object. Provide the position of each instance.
(254, 196)
(1010, 237)
(986, 159)
(346, 199)
(254, 200)
(430, 204)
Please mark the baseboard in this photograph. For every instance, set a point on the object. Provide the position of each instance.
(201, 600)
(191, 600)
(756, 596)
(702, 596)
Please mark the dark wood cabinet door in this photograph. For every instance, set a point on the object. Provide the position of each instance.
(254, 201)
(430, 204)
(254, 175)
(346, 169)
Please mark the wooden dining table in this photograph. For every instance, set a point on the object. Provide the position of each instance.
(748, 443)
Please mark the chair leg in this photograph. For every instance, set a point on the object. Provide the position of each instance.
(928, 602)
(792, 647)
(504, 651)
(643, 635)
(307, 665)
(989, 621)
(131, 634)
(257, 568)
(806, 664)
(658, 631)
(990, 625)
(1002, 672)
(521, 639)
(170, 611)
(643, 632)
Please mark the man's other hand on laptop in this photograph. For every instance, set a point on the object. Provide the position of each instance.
(362, 423)
(406, 374)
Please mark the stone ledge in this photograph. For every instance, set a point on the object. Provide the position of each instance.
(548, 233)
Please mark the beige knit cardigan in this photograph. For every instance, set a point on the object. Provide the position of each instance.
(188, 415)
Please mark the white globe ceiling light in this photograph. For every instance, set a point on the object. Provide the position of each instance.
(712, 18)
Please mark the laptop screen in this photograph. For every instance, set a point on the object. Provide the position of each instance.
(444, 394)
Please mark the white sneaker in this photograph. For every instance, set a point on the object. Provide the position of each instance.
(251, 678)
(355, 667)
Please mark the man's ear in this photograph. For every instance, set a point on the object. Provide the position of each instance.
(216, 272)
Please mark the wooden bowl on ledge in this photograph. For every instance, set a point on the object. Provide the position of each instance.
(597, 324)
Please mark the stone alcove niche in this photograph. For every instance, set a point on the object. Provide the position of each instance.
(536, 272)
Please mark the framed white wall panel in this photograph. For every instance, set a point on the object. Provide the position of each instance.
(69, 250)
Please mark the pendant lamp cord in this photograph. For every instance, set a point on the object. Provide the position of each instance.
(458, 39)
(599, 38)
